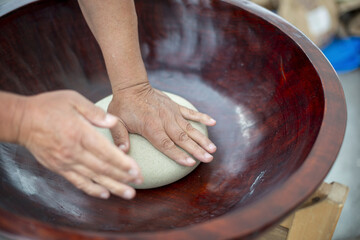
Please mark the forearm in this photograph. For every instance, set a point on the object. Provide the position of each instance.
(11, 113)
(114, 25)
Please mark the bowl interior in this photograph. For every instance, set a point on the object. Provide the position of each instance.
(251, 77)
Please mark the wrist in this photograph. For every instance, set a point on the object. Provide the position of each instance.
(125, 70)
(12, 107)
(131, 84)
(19, 120)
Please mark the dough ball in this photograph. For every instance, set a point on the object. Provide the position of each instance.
(156, 168)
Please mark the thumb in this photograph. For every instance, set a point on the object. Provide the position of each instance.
(121, 136)
(94, 114)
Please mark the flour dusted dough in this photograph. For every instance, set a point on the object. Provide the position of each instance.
(156, 168)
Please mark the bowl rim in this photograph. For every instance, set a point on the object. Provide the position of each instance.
(236, 223)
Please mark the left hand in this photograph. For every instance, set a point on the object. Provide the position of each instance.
(150, 113)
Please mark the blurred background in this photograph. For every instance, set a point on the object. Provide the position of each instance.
(334, 26)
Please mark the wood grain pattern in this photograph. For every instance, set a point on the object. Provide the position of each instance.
(316, 218)
(279, 107)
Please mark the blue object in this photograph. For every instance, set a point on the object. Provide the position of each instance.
(344, 54)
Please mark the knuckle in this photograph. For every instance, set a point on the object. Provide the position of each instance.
(90, 174)
(55, 164)
(104, 169)
(72, 135)
(167, 144)
(157, 132)
(108, 172)
(116, 136)
(183, 137)
(63, 166)
(151, 128)
(66, 153)
(192, 112)
(189, 127)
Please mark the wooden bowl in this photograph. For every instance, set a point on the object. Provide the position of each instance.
(279, 107)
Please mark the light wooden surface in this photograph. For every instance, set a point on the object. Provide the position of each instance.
(315, 219)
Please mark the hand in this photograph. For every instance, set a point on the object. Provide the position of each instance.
(150, 113)
(57, 128)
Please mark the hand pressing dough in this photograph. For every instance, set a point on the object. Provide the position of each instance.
(156, 168)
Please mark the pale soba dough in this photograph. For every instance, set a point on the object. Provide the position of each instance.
(156, 168)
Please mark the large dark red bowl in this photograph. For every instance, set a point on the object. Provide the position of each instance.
(278, 103)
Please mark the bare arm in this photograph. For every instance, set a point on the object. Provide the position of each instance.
(57, 129)
(114, 25)
(11, 113)
(141, 108)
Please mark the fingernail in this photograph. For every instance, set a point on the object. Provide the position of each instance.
(104, 195)
(128, 194)
(207, 156)
(212, 121)
(133, 172)
(110, 119)
(212, 147)
(190, 161)
(122, 147)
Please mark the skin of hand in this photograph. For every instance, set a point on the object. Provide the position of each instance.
(141, 108)
(57, 128)
(150, 113)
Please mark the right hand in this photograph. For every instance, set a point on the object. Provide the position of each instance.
(57, 128)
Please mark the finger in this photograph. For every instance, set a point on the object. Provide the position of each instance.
(196, 135)
(94, 114)
(96, 167)
(121, 136)
(181, 138)
(197, 116)
(160, 140)
(116, 188)
(86, 185)
(100, 147)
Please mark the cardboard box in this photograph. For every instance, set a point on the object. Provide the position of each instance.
(269, 4)
(317, 19)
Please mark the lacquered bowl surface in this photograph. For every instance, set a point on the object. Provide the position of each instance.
(279, 107)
